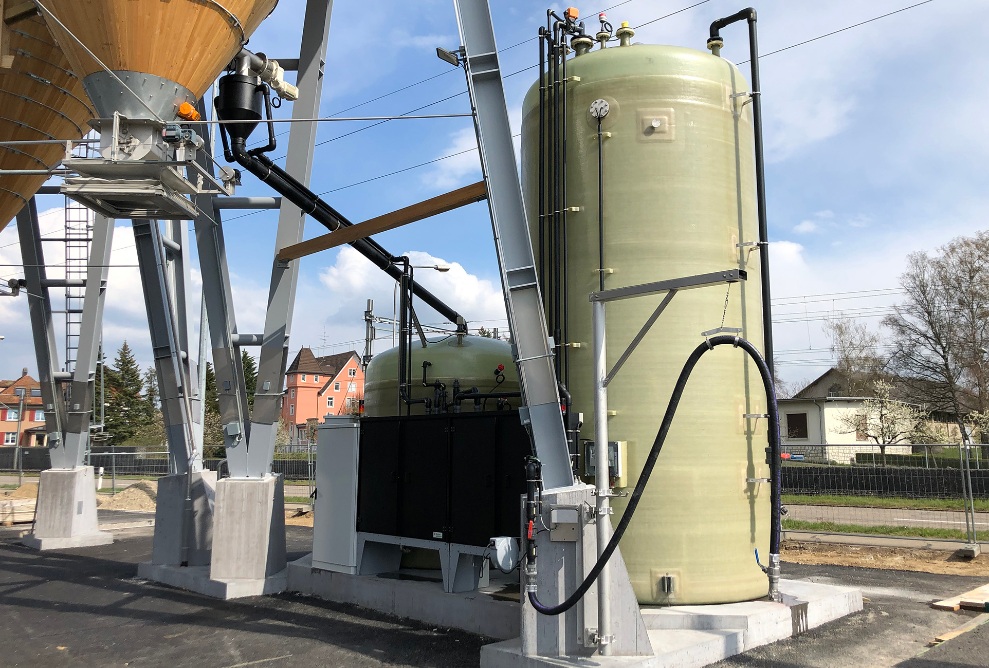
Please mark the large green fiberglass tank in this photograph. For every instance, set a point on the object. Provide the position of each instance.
(471, 360)
(679, 200)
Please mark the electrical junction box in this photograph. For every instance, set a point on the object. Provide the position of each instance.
(564, 524)
(617, 456)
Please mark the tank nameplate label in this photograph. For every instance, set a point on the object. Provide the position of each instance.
(657, 125)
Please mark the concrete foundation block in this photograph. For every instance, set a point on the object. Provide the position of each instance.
(423, 601)
(197, 579)
(175, 523)
(248, 529)
(694, 636)
(66, 511)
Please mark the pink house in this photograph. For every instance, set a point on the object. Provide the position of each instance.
(317, 386)
(22, 415)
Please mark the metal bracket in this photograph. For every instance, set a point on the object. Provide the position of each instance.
(721, 330)
(760, 480)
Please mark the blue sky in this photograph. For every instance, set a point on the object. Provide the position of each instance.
(876, 138)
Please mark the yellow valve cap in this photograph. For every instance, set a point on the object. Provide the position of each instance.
(624, 24)
(188, 112)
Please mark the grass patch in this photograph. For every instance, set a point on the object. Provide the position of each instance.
(853, 501)
(297, 499)
(907, 532)
(9, 486)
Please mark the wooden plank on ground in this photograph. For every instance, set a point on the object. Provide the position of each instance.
(389, 221)
(964, 628)
(977, 596)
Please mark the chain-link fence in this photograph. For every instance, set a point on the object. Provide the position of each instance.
(910, 491)
(118, 467)
(919, 491)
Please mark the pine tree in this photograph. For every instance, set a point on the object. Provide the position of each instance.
(151, 388)
(250, 377)
(127, 409)
(212, 396)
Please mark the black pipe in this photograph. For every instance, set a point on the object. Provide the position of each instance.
(647, 469)
(714, 42)
(461, 396)
(541, 219)
(564, 205)
(600, 206)
(287, 186)
(555, 199)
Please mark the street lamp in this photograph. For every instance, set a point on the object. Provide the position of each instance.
(442, 268)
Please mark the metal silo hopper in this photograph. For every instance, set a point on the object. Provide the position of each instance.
(145, 64)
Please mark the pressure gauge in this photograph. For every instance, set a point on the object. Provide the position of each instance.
(600, 108)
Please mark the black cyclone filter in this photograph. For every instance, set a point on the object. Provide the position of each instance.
(240, 99)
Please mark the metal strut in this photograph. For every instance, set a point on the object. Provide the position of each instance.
(523, 302)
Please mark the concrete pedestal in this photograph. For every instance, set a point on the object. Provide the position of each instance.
(184, 529)
(66, 511)
(248, 546)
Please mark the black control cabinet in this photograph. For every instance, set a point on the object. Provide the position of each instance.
(453, 477)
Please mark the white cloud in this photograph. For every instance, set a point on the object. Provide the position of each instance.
(454, 172)
(806, 227)
(331, 313)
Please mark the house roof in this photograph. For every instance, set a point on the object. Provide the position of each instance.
(10, 398)
(307, 362)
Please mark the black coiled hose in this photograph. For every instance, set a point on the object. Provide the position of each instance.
(633, 502)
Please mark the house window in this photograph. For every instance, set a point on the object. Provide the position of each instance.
(291, 409)
(12, 414)
(315, 378)
(39, 416)
(351, 387)
(36, 392)
(834, 390)
(351, 403)
(303, 378)
(336, 387)
(10, 438)
(292, 394)
(329, 402)
(861, 428)
(352, 373)
(796, 425)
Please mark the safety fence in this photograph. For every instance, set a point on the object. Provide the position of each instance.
(921, 491)
(935, 492)
(119, 466)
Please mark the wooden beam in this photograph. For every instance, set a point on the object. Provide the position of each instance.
(389, 221)
(17, 10)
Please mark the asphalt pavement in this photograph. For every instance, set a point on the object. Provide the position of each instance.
(86, 607)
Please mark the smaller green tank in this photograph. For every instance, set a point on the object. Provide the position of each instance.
(474, 361)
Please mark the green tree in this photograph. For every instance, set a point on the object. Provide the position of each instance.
(212, 396)
(250, 377)
(151, 388)
(127, 408)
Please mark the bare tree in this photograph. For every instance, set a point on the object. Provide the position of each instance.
(941, 331)
(858, 353)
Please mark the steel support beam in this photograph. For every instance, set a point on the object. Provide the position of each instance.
(82, 390)
(523, 302)
(171, 369)
(254, 461)
(178, 263)
(228, 367)
(42, 329)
